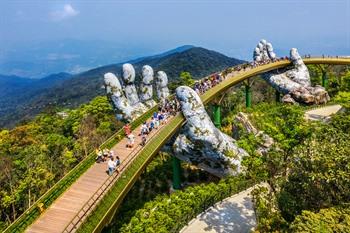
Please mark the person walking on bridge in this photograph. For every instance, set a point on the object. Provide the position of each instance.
(111, 166)
(131, 140)
(127, 129)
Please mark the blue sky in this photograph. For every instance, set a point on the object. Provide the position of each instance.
(230, 27)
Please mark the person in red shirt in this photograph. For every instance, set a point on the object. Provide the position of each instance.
(127, 129)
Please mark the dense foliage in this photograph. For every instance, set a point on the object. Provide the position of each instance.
(338, 77)
(267, 213)
(334, 219)
(308, 172)
(155, 181)
(35, 155)
(319, 172)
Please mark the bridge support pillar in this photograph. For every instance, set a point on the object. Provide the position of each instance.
(217, 115)
(324, 79)
(176, 173)
(278, 96)
(248, 96)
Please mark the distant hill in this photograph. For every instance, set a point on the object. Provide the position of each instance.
(16, 92)
(11, 84)
(81, 88)
(172, 51)
(198, 61)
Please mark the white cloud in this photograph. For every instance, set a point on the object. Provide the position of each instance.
(67, 12)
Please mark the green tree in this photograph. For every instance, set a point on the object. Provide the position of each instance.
(319, 173)
(335, 219)
(36, 154)
(186, 79)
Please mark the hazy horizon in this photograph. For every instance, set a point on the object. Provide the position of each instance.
(129, 29)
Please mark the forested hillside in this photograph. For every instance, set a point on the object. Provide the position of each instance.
(81, 88)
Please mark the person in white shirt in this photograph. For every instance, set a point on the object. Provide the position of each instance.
(131, 141)
(144, 128)
(111, 166)
(165, 119)
(156, 122)
(111, 154)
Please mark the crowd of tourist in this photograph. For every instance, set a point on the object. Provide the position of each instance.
(108, 155)
(169, 108)
(160, 117)
(205, 84)
(254, 64)
(329, 56)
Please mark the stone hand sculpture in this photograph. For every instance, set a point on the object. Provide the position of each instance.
(130, 89)
(201, 143)
(125, 100)
(293, 82)
(162, 86)
(263, 52)
(124, 108)
(146, 87)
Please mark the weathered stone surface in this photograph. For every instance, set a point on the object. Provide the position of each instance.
(146, 88)
(201, 143)
(263, 51)
(121, 104)
(130, 89)
(300, 73)
(294, 82)
(125, 99)
(162, 86)
(266, 140)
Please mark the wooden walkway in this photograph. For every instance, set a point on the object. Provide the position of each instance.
(59, 215)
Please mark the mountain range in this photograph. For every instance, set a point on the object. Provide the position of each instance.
(21, 98)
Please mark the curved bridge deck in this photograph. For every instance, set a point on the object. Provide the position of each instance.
(61, 215)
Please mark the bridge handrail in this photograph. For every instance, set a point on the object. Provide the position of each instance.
(29, 215)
